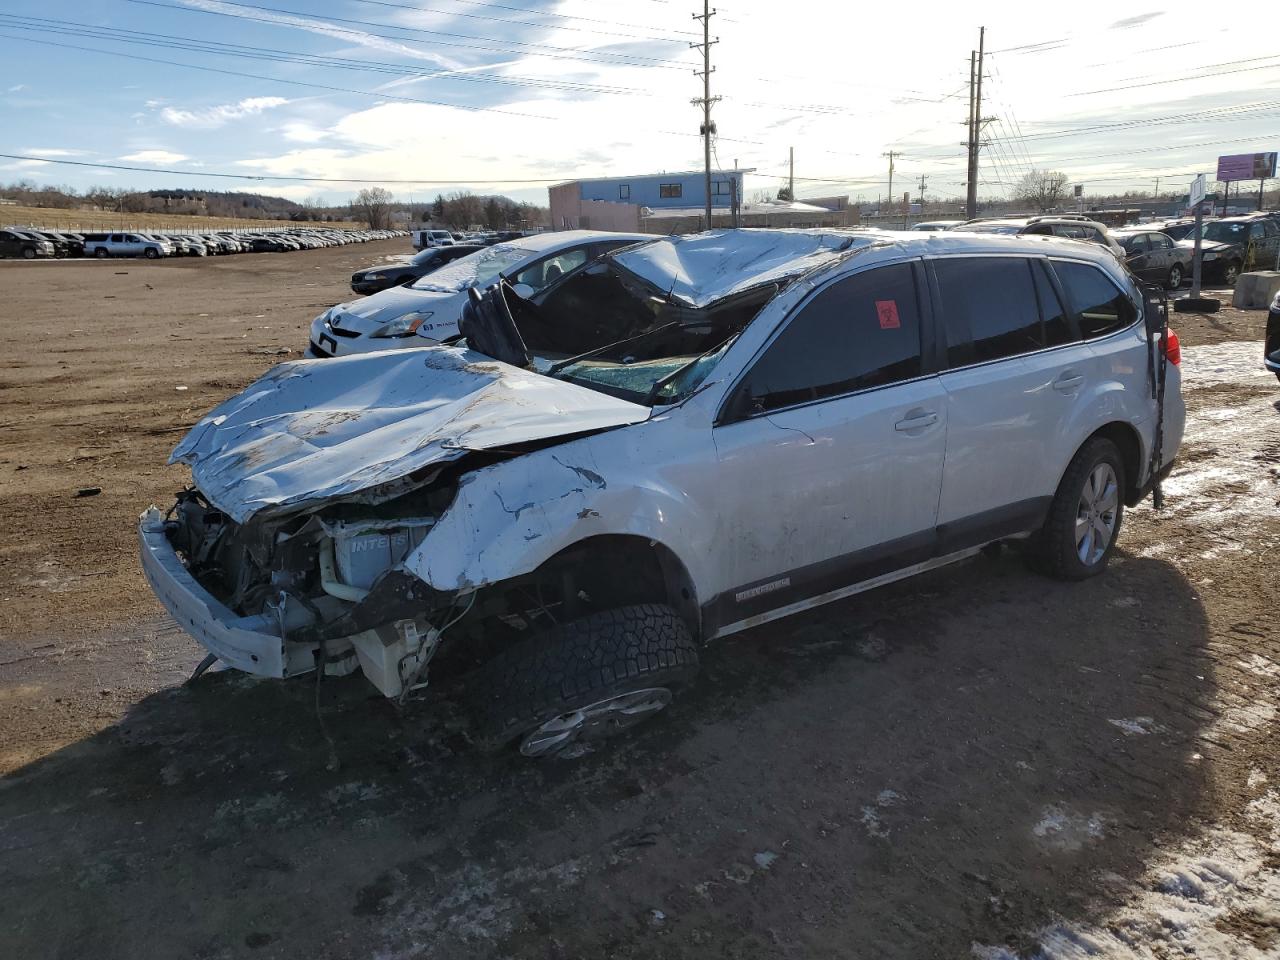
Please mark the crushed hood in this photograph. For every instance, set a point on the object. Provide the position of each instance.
(701, 268)
(316, 430)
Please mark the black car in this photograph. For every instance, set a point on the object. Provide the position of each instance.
(16, 243)
(71, 243)
(1176, 229)
(268, 245)
(406, 270)
(1234, 244)
(1151, 255)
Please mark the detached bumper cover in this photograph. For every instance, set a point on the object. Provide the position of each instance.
(251, 644)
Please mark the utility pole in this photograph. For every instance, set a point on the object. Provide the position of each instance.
(975, 122)
(891, 154)
(921, 193)
(706, 100)
(791, 178)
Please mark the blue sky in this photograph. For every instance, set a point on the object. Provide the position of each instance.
(508, 95)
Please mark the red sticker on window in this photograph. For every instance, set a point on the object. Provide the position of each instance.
(888, 311)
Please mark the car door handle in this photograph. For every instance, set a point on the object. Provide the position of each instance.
(916, 420)
(1068, 382)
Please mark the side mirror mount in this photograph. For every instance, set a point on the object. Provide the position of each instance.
(523, 290)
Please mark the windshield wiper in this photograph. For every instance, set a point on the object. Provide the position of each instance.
(662, 381)
(570, 361)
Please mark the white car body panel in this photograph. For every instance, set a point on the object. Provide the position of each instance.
(312, 431)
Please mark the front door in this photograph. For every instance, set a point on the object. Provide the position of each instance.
(830, 448)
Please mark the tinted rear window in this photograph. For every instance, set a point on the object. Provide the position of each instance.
(1097, 301)
(989, 308)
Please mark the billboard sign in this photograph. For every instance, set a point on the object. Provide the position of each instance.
(1247, 166)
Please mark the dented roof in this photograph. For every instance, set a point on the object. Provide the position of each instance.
(701, 268)
(314, 430)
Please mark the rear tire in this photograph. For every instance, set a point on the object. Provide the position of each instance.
(1175, 277)
(584, 680)
(1080, 532)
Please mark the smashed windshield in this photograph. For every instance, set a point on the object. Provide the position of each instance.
(606, 329)
(480, 268)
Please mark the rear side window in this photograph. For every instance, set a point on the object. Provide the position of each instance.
(990, 308)
(860, 332)
(1056, 319)
(1098, 302)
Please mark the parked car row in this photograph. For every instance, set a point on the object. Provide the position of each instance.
(1160, 252)
(30, 243)
(426, 238)
(633, 445)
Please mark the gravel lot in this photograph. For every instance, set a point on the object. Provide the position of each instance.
(979, 762)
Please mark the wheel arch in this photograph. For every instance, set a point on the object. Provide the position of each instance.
(628, 569)
(1129, 442)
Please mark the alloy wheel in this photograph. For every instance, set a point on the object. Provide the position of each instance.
(1096, 514)
(604, 718)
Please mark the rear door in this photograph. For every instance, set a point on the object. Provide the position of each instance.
(1107, 316)
(830, 447)
(1015, 374)
(9, 246)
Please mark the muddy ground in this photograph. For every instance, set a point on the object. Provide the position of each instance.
(979, 762)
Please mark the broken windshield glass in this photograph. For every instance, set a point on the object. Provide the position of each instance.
(477, 269)
(606, 329)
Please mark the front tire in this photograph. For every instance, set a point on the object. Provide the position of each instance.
(1080, 532)
(28, 253)
(584, 680)
(1230, 274)
(100, 253)
(150, 253)
(1175, 277)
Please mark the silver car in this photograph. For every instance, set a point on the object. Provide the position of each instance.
(683, 440)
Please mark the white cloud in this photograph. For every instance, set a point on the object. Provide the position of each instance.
(155, 156)
(53, 152)
(300, 131)
(17, 87)
(210, 117)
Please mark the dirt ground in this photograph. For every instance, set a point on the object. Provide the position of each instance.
(979, 762)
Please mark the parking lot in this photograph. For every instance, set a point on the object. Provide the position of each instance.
(977, 762)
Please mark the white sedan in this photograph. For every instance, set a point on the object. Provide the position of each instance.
(428, 310)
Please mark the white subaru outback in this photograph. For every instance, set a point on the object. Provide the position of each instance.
(676, 442)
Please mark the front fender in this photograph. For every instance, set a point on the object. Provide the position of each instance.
(509, 518)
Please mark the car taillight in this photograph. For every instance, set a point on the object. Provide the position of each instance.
(1172, 349)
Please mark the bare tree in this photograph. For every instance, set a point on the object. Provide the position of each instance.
(1043, 189)
(373, 206)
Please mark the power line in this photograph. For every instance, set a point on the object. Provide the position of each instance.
(379, 95)
(526, 23)
(264, 176)
(1203, 76)
(277, 55)
(530, 49)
